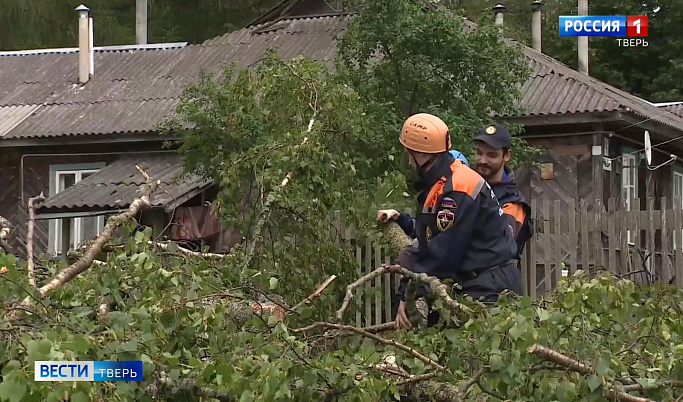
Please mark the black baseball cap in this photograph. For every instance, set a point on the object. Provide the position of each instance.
(495, 135)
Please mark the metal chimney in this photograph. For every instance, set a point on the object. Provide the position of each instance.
(498, 11)
(583, 41)
(83, 44)
(536, 6)
(91, 46)
(141, 22)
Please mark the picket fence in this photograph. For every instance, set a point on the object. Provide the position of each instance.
(568, 236)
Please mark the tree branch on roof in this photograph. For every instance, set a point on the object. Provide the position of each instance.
(84, 262)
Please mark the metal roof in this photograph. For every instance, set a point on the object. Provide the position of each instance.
(11, 116)
(555, 88)
(141, 84)
(675, 108)
(115, 186)
(135, 90)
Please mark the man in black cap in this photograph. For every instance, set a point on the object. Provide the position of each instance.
(493, 154)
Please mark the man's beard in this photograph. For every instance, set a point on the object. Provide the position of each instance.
(488, 171)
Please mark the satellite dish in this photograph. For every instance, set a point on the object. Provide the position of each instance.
(648, 148)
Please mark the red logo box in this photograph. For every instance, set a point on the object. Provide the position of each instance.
(636, 25)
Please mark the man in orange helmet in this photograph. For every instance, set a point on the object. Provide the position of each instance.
(460, 229)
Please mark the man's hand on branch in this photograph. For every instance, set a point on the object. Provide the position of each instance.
(401, 317)
(386, 215)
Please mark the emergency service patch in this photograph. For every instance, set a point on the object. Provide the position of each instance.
(448, 202)
(444, 219)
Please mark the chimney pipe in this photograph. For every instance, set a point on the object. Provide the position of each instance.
(91, 46)
(499, 10)
(583, 41)
(83, 44)
(141, 22)
(536, 25)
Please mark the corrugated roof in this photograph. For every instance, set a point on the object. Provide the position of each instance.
(676, 109)
(115, 185)
(11, 116)
(555, 88)
(87, 118)
(144, 85)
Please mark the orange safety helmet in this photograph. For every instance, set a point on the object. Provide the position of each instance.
(425, 133)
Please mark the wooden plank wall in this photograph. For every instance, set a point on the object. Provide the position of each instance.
(9, 198)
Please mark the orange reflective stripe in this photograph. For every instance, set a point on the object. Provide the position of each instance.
(433, 196)
(466, 180)
(514, 210)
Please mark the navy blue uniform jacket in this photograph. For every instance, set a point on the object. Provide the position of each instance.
(460, 227)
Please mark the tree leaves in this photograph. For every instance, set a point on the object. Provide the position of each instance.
(13, 390)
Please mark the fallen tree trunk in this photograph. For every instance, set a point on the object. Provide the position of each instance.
(5, 230)
(29, 239)
(398, 240)
(164, 386)
(581, 368)
(437, 288)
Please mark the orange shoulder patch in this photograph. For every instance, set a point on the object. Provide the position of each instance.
(515, 210)
(466, 180)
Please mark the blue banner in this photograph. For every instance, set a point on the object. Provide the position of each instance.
(593, 25)
(65, 371)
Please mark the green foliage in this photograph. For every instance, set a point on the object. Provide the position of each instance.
(405, 59)
(247, 133)
(54, 23)
(652, 72)
(181, 316)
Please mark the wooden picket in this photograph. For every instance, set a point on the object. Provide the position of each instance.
(642, 245)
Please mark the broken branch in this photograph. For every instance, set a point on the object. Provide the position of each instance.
(436, 287)
(397, 238)
(581, 368)
(5, 229)
(29, 237)
(377, 338)
(318, 292)
(182, 250)
(83, 263)
(265, 214)
(164, 385)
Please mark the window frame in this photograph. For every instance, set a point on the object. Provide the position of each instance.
(628, 154)
(55, 225)
(677, 173)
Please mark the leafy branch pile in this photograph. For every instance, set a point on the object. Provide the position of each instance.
(200, 332)
(288, 144)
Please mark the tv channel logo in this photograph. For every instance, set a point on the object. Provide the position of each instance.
(604, 25)
(99, 370)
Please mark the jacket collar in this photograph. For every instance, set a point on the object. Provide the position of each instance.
(427, 178)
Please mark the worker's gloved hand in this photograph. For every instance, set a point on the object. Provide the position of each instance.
(401, 317)
(386, 215)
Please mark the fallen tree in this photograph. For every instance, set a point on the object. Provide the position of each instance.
(5, 229)
(213, 326)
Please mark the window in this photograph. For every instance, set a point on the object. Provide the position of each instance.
(678, 195)
(85, 228)
(629, 184)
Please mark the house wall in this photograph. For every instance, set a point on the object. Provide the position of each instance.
(577, 174)
(571, 161)
(9, 191)
(20, 181)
